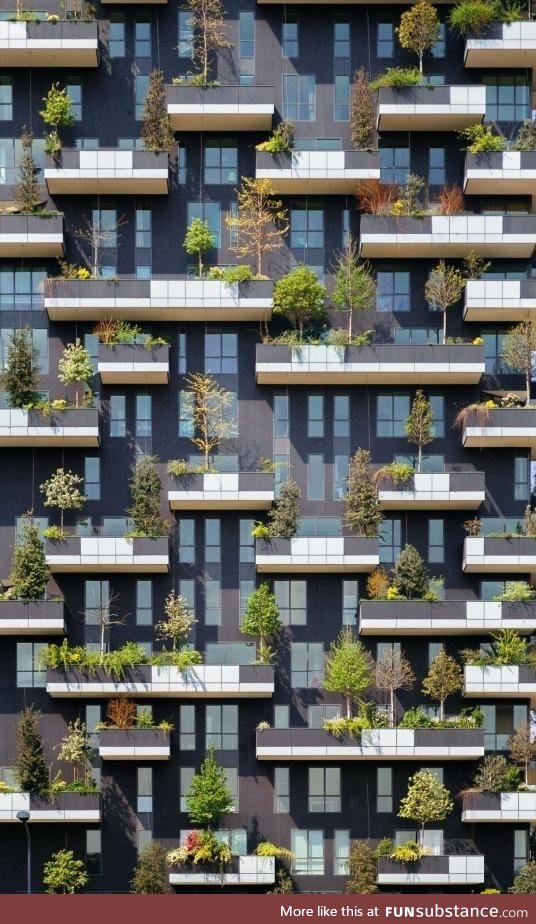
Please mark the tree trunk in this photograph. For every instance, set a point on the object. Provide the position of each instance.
(441, 709)
(61, 518)
(420, 65)
(527, 385)
(259, 259)
(526, 772)
(200, 264)
(444, 326)
(348, 707)
(421, 834)
(419, 458)
(392, 708)
(349, 324)
(300, 328)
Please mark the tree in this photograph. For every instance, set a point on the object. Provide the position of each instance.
(444, 678)
(63, 873)
(151, 873)
(348, 669)
(525, 880)
(299, 297)
(392, 672)
(410, 576)
(363, 111)
(209, 797)
(145, 489)
(29, 571)
(21, 375)
(261, 619)
(522, 747)
(426, 800)
(519, 351)
(104, 617)
(362, 870)
(198, 240)
(354, 287)
(155, 127)
(27, 190)
(58, 110)
(99, 233)
(444, 288)
(260, 221)
(211, 413)
(419, 426)
(495, 774)
(30, 769)
(207, 26)
(61, 490)
(74, 747)
(75, 365)
(285, 512)
(419, 29)
(362, 513)
(178, 622)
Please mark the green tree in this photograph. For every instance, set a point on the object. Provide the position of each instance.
(519, 351)
(362, 870)
(178, 623)
(444, 678)
(61, 491)
(299, 297)
(525, 880)
(210, 408)
(285, 513)
(354, 287)
(209, 797)
(30, 768)
(260, 222)
(444, 288)
(495, 774)
(347, 669)
(145, 490)
(410, 576)
(426, 800)
(362, 511)
(75, 365)
(58, 110)
(419, 426)
(155, 127)
(29, 571)
(522, 747)
(198, 240)
(20, 378)
(207, 26)
(64, 873)
(27, 190)
(151, 873)
(363, 111)
(74, 748)
(419, 29)
(261, 619)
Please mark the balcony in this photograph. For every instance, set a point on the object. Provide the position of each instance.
(133, 364)
(430, 108)
(376, 364)
(506, 427)
(134, 744)
(241, 871)
(246, 109)
(436, 491)
(158, 300)
(510, 173)
(506, 682)
(374, 744)
(448, 236)
(215, 491)
(485, 555)
(499, 807)
(445, 617)
(32, 617)
(108, 171)
(500, 300)
(92, 554)
(328, 173)
(206, 681)
(452, 869)
(65, 807)
(49, 44)
(25, 236)
(308, 555)
(510, 45)
(72, 427)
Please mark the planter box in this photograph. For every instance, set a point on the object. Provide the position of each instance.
(49, 44)
(506, 682)
(317, 172)
(241, 871)
(499, 807)
(373, 744)
(108, 554)
(108, 171)
(31, 236)
(66, 807)
(445, 617)
(499, 236)
(511, 45)
(242, 108)
(333, 554)
(499, 300)
(134, 744)
(202, 682)
(436, 491)
(73, 427)
(133, 364)
(508, 173)
(506, 427)
(455, 869)
(509, 556)
(32, 617)
(214, 491)
(429, 109)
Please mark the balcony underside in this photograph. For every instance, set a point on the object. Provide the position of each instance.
(23, 247)
(399, 374)
(179, 500)
(283, 565)
(499, 438)
(394, 119)
(486, 183)
(32, 626)
(137, 374)
(499, 313)
(61, 184)
(62, 565)
(455, 500)
(221, 118)
(494, 56)
(50, 439)
(322, 186)
(130, 311)
(50, 58)
(423, 627)
(134, 754)
(395, 247)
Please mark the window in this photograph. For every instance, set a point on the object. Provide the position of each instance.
(20, 287)
(282, 469)
(187, 727)
(307, 226)
(385, 38)
(145, 789)
(384, 789)
(117, 415)
(244, 593)
(247, 541)
(6, 99)
(436, 166)
(222, 728)
(324, 789)
(39, 340)
(340, 476)
(341, 98)
(394, 164)
(29, 672)
(246, 24)
(437, 403)
(73, 86)
(181, 163)
(187, 590)
(281, 790)
(209, 212)
(315, 415)
(500, 723)
(420, 335)
(186, 541)
(281, 716)
(315, 477)
(116, 41)
(144, 602)
(221, 162)
(186, 421)
(341, 415)
(521, 848)
(289, 38)
(291, 599)
(299, 98)
(92, 488)
(434, 648)
(307, 664)
(224, 653)
(221, 353)
(493, 350)
(439, 49)
(212, 540)
(142, 46)
(185, 47)
(281, 416)
(308, 850)
(143, 226)
(143, 415)
(390, 540)
(436, 541)
(317, 715)
(96, 599)
(507, 98)
(521, 478)
(345, 227)
(350, 597)
(141, 86)
(393, 409)
(93, 852)
(181, 351)
(212, 603)
(393, 291)
(341, 36)
(186, 777)
(341, 852)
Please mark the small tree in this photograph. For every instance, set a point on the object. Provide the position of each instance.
(20, 378)
(30, 769)
(209, 797)
(522, 747)
(362, 870)
(198, 240)
(155, 126)
(261, 619)
(444, 288)
(419, 426)
(145, 489)
(299, 297)
(57, 111)
(444, 678)
(74, 748)
(410, 576)
(151, 873)
(207, 26)
(29, 572)
(426, 800)
(61, 491)
(178, 623)
(99, 234)
(347, 669)
(63, 873)
(363, 111)
(362, 511)
(210, 407)
(495, 774)
(27, 190)
(354, 287)
(525, 880)
(519, 351)
(393, 672)
(419, 29)
(260, 221)
(75, 365)
(285, 514)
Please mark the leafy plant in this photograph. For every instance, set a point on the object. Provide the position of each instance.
(155, 127)
(64, 873)
(30, 768)
(180, 467)
(284, 516)
(27, 189)
(377, 584)
(151, 876)
(75, 365)
(526, 137)
(525, 880)
(178, 623)
(260, 222)
(444, 288)
(283, 883)
(375, 197)
(121, 712)
(470, 17)
(451, 200)
(419, 29)
(362, 870)
(57, 111)
(396, 473)
(198, 240)
(347, 669)
(20, 378)
(518, 351)
(145, 489)
(392, 672)
(444, 678)
(475, 266)
(407, 853)
(481, 138)
(362, 111)
(397, 77)
(281, 141)
(362, 512)
(232, 274)
(419, 426)
(473, 527)
(495, 774)
(261, 619)
(354, 288)
(209, 37)
(210, 408)
(267, 849)
(299, 297)
(410, 575)
(29, 573)
(74, 748)
(516, 592)
(209, 797)
(411, 197)
(61, 491)
(426, 800)
(522, 748)
(115, 663)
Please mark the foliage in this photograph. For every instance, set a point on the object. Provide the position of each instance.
(410, 576)
(182, 659)
(200, 847)
(392, 672)
(98, 234)
(516, 592)
(362, 111)
(179, 621)
(522, 747)
(111, 331)
(27, 189)
(377, 584)
(419, 29)
(299, 297)
(450, 200)
(444, 678)
(351, 726)
(419, 426)
(417, 718)
(232, 274)
(151, 876)
(58, 110)
(348, 669)
(426, 800)
(281, 141)
(72, 271)
(362, 512)
(519, 351)
(525, 880)
(260, 221)
(20, 378)
(411, 196)
(54, 533)
(384, 847)
(526, 137)
(481, 138)
(208, 34)
(29, 573)
(61, 491)
(267, 849)
(362, 870)
(495, 774)
(30, 768)
(397, 474)
(198, 240)
(529, 522)
(121, 712)
(505, 647)
(283, 883)
(75, 365)
(74, 747)
(261, 619)
(354, 288)
(444, 288)
(180, 467)
(209, 797)
(145, 489)
(115, 663)
(397, 77)
(475, 266)
(285, 513)
(210, 406)
(409, 852)
(63, 873)
(470, 17)
(155, 126)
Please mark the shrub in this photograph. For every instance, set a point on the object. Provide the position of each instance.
(198, 240)
(285, 513)
(155, 128)
(396, 473)
(121, 712)
(516, 592)
(299, 297)
(470, 17)
(426, 800)
(375, 197)
(178, 623)
(451, 200)
(20, 378)
(29, 574)
(443, 679)
(261, 619)
(280, 141)
(409, 852)
(397, 77)
(348, 669)
(209, 797)
(151, 875)
(232, 274)
(481, 138)
(64, 873)
(30, 768)
(362, 870)
(363, 111)
(525, 881)
(410, 576)
(362, 511)
(145, 488)
(377, 584)
(526, 138)
(495, 774)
